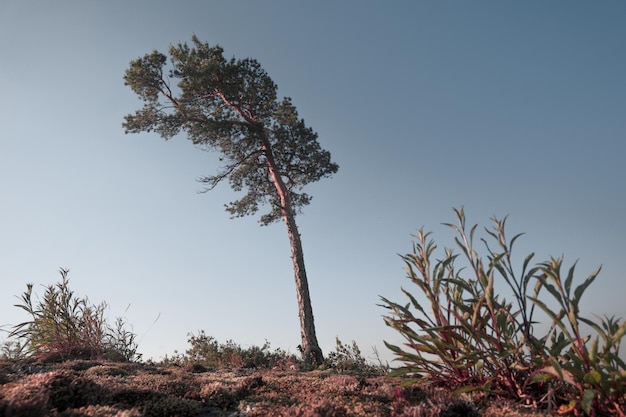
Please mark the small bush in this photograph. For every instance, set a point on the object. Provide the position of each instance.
(348, 358)
(472, 338)
(121, 343)
(207, 351)
(65, 326)
(12, 349)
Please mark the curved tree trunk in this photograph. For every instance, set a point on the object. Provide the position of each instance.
(312, 354)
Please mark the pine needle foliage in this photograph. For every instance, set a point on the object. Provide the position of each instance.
(469, 337)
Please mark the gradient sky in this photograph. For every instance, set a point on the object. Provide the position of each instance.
(505, 108)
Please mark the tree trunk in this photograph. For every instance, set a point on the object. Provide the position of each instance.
(312, 354)
(311, 350)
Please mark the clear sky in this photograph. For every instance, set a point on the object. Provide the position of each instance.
(506, 108)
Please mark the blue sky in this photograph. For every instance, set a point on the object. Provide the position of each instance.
(505, 108)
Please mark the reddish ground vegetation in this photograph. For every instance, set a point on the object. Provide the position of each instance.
(101, 388)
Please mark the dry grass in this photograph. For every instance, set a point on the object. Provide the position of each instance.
(101, 388)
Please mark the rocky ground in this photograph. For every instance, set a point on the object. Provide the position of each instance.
(101, 388)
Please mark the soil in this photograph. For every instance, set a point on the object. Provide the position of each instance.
(101, 388)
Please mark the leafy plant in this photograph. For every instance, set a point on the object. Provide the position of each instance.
(66, 325)
(597, 374)
(474, 339)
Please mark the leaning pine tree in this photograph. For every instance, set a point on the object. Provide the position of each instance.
(231, 106)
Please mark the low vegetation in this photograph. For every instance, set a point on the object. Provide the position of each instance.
(469, 337)
(206, 352)
(66, 326)
(468, 351)
(128, 389)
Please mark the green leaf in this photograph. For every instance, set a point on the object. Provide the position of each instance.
(479, 366)
(593, 350)
(578, 292)
(514, 239)
(461, 245)
(552, 289)
(568, 280)
(593, 377)
(467, 388)
(558, 372)
(472, 234)
(460, 283)
(618, 335)
(587, 400)
(391, 347)
(542, 377)
(595, 327)
(413, 300)
(502, 319)
(553, 316)
(572, 316)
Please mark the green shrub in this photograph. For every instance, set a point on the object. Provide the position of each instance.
(348, 358)
(68, 326)
(207, 351)
(472, 338)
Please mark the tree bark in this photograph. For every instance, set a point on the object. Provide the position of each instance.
(311, 350)
(312, 354)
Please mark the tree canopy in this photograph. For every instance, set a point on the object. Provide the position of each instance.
(230, 106)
